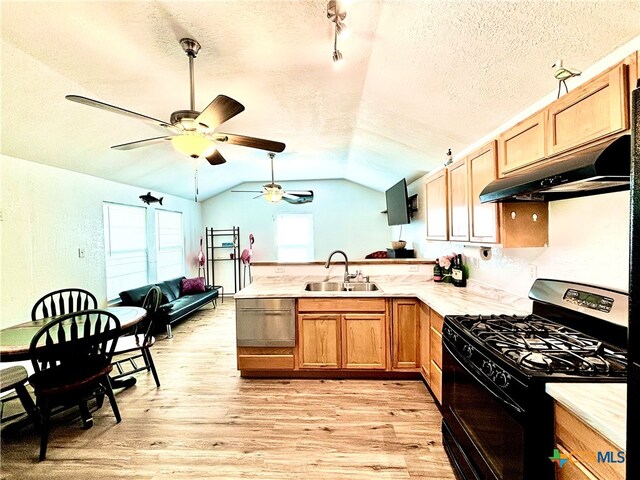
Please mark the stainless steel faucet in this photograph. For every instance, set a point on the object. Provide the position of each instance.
(347, 275)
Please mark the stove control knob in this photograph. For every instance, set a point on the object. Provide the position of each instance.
(487, 367)
(467, 351)
(502, 379)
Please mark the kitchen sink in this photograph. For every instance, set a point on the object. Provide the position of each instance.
(341, 287)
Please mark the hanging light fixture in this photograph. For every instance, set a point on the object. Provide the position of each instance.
(272, 194)
(336, 14)
(193, 144)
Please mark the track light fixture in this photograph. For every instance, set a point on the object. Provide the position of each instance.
(336, 14)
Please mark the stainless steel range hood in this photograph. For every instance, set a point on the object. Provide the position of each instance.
(602, 168)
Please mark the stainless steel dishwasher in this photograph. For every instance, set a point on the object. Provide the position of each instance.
(265, 322)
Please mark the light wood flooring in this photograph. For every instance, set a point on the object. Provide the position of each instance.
(205, 422)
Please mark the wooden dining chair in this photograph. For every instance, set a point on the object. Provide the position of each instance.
(63, 301)
(71, 358)
(138, 345)
(15, 378)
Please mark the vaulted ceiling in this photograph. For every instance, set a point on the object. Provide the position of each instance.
(419, 77)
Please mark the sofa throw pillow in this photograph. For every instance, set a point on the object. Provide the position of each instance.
(192, 285)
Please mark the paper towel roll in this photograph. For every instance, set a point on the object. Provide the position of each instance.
(479, 252)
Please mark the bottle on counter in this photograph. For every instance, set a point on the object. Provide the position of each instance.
(457, 272)
(437, 272)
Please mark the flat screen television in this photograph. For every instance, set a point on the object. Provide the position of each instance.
(398, 204)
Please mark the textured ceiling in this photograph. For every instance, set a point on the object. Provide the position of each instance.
(419, 77)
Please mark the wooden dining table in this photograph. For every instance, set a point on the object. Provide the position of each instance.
(16, 340)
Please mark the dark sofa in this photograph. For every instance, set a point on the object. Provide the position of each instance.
(174, 305)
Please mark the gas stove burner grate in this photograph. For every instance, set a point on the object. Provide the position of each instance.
(537, 345)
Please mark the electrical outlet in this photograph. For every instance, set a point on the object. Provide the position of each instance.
(81, 253)
(533, 272)
(279, 269)
(413, 268)
(475, 263)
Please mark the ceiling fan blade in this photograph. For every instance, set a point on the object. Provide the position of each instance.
(246, 191)
(300, 193)
(257, 196)
(141, 143)
(298, 199)
(215, 158)
(253, 142)
(219, 111)
(114, 109)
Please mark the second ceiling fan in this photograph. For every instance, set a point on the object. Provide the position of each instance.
(273, 192)
(192, 133)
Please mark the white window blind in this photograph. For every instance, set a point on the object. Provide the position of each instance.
(170, 244)
(294, 237)
(125, 241)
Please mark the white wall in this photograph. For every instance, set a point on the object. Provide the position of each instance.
(346, 217)
(46, 215)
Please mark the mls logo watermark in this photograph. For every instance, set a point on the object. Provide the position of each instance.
(562, 458)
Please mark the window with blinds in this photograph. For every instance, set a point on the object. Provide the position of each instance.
(169, 245)
(125, 242)
(294, 237)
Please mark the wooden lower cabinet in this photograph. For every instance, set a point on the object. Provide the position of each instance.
(348, 334)
(319, 345)
(405, 336)
(425, 339)
(580, 443)
(363, 341)
(435, 343)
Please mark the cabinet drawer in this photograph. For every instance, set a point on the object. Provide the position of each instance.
(436, 381)
(581, 441)
(435, 344)
(436, 321)
(333, 304)
(265, 362)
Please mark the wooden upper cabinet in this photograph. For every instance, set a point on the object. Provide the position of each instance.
(436, 206)
(594, 110)
(481, 169)
(522, 144)
(364, 340)
(458, 201)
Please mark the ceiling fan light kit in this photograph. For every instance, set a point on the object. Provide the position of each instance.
(273, 194)
(193, 144)
(192, 133)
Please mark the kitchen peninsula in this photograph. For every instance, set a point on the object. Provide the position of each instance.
(393, 332)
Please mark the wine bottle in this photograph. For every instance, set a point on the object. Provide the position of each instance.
(457, 272)
(437, 272)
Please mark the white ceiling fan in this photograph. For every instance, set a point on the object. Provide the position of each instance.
(273, 192)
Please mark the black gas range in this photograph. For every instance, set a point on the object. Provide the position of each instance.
(497, 417)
